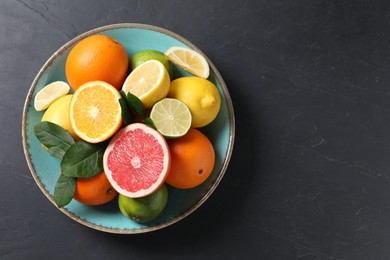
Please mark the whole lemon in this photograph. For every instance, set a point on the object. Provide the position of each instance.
(201, 97)
(58, 113)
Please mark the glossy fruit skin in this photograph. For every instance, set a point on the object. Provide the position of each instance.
(192, 160)
(145, 55)
(200, 95)
(144, 209)
(95, 190)
(58, 113)
(97, 57)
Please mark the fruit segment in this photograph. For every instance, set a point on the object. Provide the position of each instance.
(189, 60)
(50, 93)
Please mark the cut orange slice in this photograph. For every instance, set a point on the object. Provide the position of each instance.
(189, 60)
(95, 113)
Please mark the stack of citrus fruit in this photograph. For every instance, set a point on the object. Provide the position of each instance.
(128, 133)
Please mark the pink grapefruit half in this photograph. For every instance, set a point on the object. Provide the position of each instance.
(137, 160)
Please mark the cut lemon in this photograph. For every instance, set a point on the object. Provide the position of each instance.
(189, 60)
(149, 82)
(171, 117)
(50, 93)
(95, 113)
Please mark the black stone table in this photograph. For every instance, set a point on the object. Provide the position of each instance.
(310, 173)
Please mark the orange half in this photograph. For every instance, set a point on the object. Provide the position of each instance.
(95, 113)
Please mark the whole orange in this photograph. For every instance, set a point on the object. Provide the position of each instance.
(94, 190)
(192, 160)
(97, 57)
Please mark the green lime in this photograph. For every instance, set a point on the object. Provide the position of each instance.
(142, 56)
(171, 117)
(144, 209)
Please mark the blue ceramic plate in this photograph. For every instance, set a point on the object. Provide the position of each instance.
(45, 169)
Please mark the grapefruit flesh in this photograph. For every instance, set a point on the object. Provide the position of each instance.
(137, 160)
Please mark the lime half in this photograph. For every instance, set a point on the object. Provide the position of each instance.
(171, 117)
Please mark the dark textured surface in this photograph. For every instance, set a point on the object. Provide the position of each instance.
(309, 177)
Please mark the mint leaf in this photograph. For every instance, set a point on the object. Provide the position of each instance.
(56, 152)
(134, 103)
(83, 160)
(127, 117)
(123, 94)
(55, 138)
(149, 122)
(64, 190)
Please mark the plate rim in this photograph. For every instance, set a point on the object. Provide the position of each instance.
(225, 162)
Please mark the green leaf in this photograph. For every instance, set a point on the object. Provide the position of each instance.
(149, 122)
(123, 94)
(56, 152)
(83, 160)
(55, 138)
(134, 103)
(127, 117)
(64, 190)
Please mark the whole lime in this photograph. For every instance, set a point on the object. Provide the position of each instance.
(144, 209)
(145, 55)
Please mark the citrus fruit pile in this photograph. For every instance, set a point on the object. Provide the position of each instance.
(125, 128)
